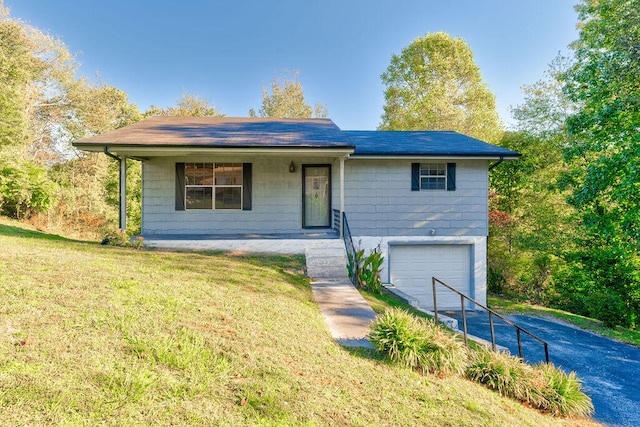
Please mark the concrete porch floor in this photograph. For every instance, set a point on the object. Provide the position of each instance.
(285, 244)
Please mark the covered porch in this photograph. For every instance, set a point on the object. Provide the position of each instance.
(231, 176)
(268, 243)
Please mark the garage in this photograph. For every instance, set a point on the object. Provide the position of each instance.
(411, 267)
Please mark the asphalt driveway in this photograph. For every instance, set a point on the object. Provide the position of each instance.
(610, 370)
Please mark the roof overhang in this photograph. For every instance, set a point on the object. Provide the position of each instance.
(433, 157)
(182, 151)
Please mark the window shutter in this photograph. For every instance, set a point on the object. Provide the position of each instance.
(180, 186)
(451, 177)
(415, 176)
(246, 186)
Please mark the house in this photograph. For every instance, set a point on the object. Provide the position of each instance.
(420, 197)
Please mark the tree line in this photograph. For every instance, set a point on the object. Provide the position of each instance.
(45, 105)
(564, 218)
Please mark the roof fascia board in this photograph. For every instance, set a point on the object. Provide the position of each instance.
(168, 151)
(427, 157)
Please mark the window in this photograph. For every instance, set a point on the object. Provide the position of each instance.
(433, 176)
(213, 185)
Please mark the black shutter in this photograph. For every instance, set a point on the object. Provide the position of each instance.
(415, 176)
(451, 177)
(246, 186)
(180, 186)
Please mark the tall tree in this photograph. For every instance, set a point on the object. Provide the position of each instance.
(43, 108)
(604, 153)
(435, 84)
(287, 101)
(530, 220)
(188, 106)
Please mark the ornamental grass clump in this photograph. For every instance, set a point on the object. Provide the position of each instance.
(506, 374)
(417, 343)
(544, 387)
(563, 393)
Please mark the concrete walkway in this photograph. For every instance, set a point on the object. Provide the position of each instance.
(347, 314)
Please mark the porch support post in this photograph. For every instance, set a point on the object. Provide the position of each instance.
(341, 195)
(123, 193)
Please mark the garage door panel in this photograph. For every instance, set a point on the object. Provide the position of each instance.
(412, 266)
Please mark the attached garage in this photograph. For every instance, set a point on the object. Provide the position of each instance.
(411, 267)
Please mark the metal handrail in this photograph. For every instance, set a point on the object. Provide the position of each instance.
(491, 314)
(348, 243)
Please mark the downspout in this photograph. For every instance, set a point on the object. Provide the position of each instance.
(122, 214)
(490, 167)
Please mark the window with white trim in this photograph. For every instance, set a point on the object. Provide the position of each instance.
(213, 185)
(433, 176)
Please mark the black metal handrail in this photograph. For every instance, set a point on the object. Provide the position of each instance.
(336, 221)
(351, 249)
(491, 314)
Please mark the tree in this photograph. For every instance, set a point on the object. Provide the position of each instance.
(187, 106)
(286, 101)
(604, 153)
(43, 108)
(435, 84)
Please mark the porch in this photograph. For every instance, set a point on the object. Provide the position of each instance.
(266, 243)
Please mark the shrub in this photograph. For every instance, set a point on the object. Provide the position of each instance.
(417, 343)
(506, 374)
(24, 189)
(122, 238)
(542, 386)
(366, 269)
(563, 393)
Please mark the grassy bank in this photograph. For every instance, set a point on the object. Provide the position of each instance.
(618, 333)
(104, 335)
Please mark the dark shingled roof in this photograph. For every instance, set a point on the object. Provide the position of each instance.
(422, 143)
(224, 132)
(239, 133)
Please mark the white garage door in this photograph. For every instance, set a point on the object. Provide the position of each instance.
(412, 267)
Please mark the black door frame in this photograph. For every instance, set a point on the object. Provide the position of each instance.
(329, 204)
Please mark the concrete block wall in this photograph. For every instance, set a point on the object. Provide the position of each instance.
(276, 201)
(379, 200)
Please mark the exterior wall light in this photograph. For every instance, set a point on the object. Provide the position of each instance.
(292, 167)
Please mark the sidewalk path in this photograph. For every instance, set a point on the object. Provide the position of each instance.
(347, 314)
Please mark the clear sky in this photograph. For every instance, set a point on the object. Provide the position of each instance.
(226, 50)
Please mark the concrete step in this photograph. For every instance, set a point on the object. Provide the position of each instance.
(327, 261)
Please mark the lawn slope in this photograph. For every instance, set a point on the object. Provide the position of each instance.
(103, 335)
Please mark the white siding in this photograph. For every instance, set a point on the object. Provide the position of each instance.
(276, 201)
(379, 200)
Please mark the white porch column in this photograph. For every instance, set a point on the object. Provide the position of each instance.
(341, 194)
(123, 193)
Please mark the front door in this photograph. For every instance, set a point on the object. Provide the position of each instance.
(316, 196)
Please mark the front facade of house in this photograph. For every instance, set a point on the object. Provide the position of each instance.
(419, 197)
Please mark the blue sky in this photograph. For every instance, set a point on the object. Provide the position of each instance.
(225, 51)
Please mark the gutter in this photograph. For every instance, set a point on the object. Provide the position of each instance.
(490, 167)
(106, 151)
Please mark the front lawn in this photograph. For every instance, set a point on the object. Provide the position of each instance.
(94, 334)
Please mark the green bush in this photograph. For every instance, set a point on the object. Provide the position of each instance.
(563, 393)
(24, 189)
(506, 374)
(417, 343)
(544, 387)
(366, 270)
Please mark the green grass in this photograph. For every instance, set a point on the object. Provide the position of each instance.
(93, 334)
(618, 333)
